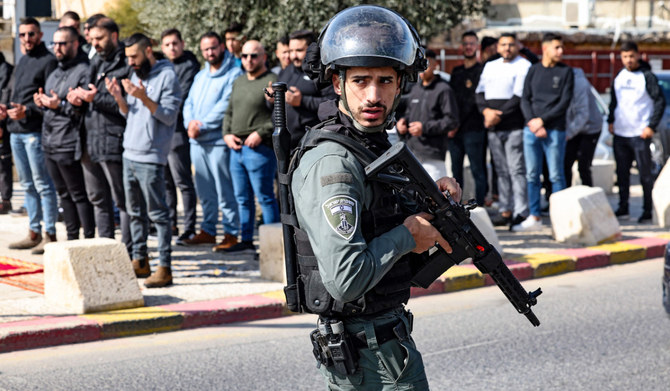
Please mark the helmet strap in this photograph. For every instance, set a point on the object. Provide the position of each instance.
(387, 124)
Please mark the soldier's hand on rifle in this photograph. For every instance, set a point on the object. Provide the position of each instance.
(450, 185)
(424, 234)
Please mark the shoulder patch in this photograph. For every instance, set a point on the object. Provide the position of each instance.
(341, 213)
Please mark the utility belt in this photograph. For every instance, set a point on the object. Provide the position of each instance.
(334, 347)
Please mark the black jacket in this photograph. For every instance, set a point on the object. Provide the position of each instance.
(6, 70)
(62, 126)
(434, 106)
(104, 123)
(464, 82)
(547, 93)
(186, 67)
(31, 74)
(654, 91)
(306, 115)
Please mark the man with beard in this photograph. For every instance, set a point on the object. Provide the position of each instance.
(178, 170)
(203, 116)
(499, 100)
(304, 95)
(25, 126)
(61, 132)
(430, 114)
(103, 170)
(152, 107)
(247, 130)
(470, 137)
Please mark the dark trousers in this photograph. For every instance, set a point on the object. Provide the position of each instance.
(68, 178)
(178, 175)
(6, 180)
(581, 148)
(474, 145)
(627, 150)
(104, 183)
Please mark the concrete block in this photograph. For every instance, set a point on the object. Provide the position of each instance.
(548, 264)
(90, 275)
(661, 197)
(482, 220)
(586, 258)
(622, 252)
(582, 215)
(602, 174)
(271, 258)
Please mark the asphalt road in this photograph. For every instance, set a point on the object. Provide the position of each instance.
(602, 329)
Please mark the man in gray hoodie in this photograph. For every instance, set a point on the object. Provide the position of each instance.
(151, 108)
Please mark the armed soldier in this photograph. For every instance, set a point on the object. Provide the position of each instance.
(355, 239)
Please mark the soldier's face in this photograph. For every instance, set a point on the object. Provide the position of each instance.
(370, 93)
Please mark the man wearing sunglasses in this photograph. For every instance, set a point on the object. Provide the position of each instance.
(247, 130)
(25, 124)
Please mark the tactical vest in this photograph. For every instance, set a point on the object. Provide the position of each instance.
(386, 212)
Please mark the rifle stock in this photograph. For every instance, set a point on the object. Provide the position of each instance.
(399, 168)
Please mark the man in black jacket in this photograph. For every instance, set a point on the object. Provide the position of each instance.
(470, 138)
(430, 114)
(25, 124)
(304, 95)
(178, 169)
(636, 109)
(103, 171)
(6, 181)
(546, 96)
(61, 132)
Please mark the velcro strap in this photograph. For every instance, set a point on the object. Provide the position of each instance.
(384, 334)
(289, 219)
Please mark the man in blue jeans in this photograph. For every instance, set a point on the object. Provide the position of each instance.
(636, 109)
(247, 130)
(25, 125)
(151, 107)
(547, 92)
(203, 116)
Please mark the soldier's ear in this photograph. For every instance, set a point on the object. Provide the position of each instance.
(337, 83)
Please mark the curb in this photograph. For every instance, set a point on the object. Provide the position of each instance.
(52, 331)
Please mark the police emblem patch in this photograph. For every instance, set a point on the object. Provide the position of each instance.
(341, 213)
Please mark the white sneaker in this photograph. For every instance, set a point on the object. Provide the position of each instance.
(528, 225)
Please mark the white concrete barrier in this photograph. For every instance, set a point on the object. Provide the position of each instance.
(271, 258)
(582, 215)
(602, 173)
(481, 219)
(90, 275)
(661, 197)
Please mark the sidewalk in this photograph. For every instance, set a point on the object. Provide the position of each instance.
(211, 288)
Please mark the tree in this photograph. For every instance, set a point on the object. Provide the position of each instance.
(267, 20)
(126, 14)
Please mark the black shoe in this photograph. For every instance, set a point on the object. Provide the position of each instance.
(622, 213)
(153, 234)
(518, 219)
(175, 231)
(185, 236)
(241, 247)
(19, 212)
(645, 218)
(501, 220)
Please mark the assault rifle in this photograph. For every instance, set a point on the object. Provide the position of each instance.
(399, 168)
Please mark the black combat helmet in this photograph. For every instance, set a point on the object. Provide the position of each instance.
(367, 36)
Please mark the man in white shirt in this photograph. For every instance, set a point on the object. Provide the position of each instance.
(498, 97)
(636, 108)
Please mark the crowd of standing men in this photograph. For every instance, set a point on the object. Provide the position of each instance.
(109, 129)
(536, 117)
